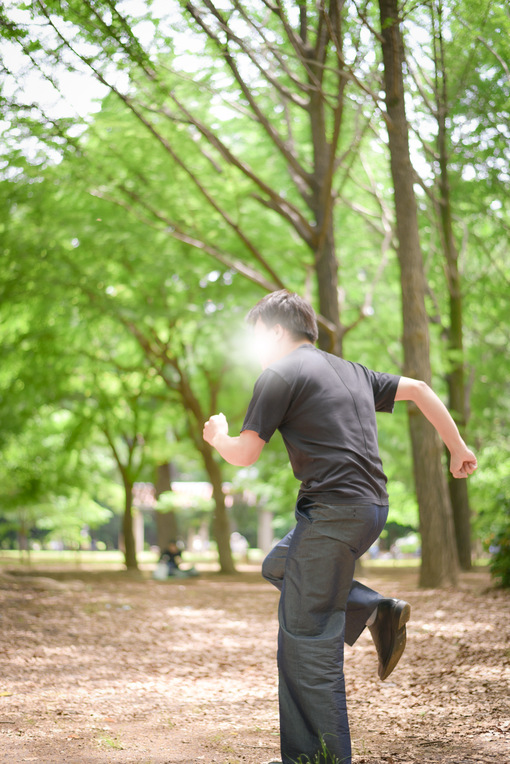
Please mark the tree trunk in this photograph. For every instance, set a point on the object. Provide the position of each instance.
(456, 376)
(127, 527)
(23, 543)
(221, 523)
(321, 198)
(326, 269)
(439, 555)
(221, 526)
(459, 497)
(166, 522)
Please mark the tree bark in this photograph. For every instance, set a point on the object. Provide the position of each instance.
(127, 526)
(456, 376)
(321, 199)
(326, 270)
(221, 523)
(439, 554)
(23, 543)
(166, 522)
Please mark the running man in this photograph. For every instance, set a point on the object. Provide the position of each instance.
(324, 408)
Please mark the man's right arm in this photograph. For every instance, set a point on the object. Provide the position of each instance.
(241, 451)
(463, 461)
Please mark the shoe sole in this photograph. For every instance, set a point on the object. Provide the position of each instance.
(400, 642)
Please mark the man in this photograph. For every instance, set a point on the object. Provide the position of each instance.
(325, 408)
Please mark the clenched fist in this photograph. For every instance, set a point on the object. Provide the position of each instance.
(214, 426)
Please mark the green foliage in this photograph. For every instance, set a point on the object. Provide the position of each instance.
(171, 501)
(323, 756)
(89, 328)
(65, 518)
(47, 482)
(500, 561)
(491, 495)
(273, 484)
(115, 264)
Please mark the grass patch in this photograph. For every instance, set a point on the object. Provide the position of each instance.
(69, 557)
(410, 562)
(324, 756)
(110, 742)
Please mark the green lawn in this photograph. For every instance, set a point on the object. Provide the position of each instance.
(109, 559)
(115, 559)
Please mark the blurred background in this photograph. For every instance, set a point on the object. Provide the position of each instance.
(162, 168)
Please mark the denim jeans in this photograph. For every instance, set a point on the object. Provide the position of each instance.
(320, 607)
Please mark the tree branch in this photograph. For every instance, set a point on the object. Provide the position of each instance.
(262, 119)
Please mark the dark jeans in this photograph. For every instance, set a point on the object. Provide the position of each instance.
(320, 607)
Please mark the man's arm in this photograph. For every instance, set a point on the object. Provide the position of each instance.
(241, 451)
(463, 461)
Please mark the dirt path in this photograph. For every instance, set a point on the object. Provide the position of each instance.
(106, 668)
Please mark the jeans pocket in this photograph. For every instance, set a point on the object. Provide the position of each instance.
(303, 510)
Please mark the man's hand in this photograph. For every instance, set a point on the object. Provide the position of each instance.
(241, 451)
(214, 426)
(463, 463)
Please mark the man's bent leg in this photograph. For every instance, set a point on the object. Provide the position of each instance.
(386, 618)
(362, 601)
(361, 604)
(273, 567)
(388, 627)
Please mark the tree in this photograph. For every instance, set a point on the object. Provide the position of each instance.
(460, 85)
(122, 407)
(166, 522)
(439, 106)
(439, 557)
(46, 484)
(128, 331)
(265, 130)
(290, 82)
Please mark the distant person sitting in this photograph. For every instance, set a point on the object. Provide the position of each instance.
(172, 557)
(169, 564)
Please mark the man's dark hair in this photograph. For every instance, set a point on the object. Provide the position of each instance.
(289, 310)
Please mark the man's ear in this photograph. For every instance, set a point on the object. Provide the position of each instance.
(279, 331)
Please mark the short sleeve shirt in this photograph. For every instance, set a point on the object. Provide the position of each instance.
(324, 408)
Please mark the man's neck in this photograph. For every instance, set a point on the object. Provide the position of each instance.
(292, 345)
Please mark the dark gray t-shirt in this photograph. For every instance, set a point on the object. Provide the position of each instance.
(325, 409)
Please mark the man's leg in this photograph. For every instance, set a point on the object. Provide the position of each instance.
(361, 604)
(273, 567)
(318, 576)
(386, 618)
(362, 600)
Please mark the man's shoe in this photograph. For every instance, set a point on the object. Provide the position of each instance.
(389, 633)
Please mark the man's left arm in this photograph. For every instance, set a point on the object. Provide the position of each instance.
(463, 461)
(241, 451)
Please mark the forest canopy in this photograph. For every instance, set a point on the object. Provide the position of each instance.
(164, 165)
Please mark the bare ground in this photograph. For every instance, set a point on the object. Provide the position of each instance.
(117, 669)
